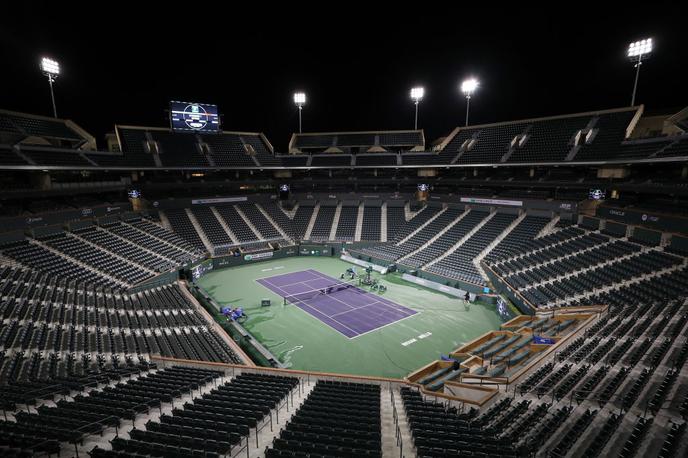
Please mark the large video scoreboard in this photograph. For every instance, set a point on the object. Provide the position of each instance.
(191, 116)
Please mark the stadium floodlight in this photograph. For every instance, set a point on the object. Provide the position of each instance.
(468, 87)
(300, 101)
(417, 94)
(636, 52)
(51, 69)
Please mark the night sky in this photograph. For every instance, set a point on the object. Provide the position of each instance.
(122, 64)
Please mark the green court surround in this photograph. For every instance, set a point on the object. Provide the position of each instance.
(300, 341)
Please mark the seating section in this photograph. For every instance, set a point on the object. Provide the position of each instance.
(236, 223)
(578, 137)
(215, 424)
(337, 419)
(371, 224)
(323, 223)
(178, 252)
(69, 421)
(125, 249)
(73, 245)
(26, 125)
(302, 217)
(396, 251)
(134, 153)
(396, 218)
(456, 231)
(211, 227)
(45, 315)
(182, 225)
(459, 264)
(281, 219)
(259, 221)
(38, 257)
(439, 431)
(525, 231)
(346, 226)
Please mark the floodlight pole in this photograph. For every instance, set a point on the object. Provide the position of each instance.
(468, 105)
(415, 124)
(637, 75)
(300, 107)
(52, 94)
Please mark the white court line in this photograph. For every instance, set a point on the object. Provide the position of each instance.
(288, 273)
(384, 301)
(319, 312)
(384, 326)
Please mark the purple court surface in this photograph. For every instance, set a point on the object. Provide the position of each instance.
(351, 311)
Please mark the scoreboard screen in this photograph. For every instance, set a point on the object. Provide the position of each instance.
(189, 116)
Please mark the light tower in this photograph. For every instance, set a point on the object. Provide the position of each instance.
(636, 52)
(468, 87)
(51, 69)
(300, 101)
(417, 94)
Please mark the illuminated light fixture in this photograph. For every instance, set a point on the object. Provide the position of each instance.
(468, 87)
(637, 51)
(417, 94)
(51, 69)
(300, 101)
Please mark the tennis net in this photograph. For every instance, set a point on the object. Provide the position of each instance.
(331, 289)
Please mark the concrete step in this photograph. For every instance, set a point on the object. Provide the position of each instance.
(248, 222)
(273, 222)
(462, 241)
(204, 238)
(422, 226)
(335, 222)
(311, 223)
(383, 222)
(359, 223)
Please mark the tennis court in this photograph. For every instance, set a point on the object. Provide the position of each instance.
(346, 308)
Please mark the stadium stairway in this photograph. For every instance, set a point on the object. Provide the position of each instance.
(549, 228)
(248, 222)
(462, 241)
(435, 237)
(383, 222)
(496, 242)
(422, 226)
(164, 222)
(45, 246)
(393, 417)
(311, 222)
(277, 227)
(163, 258)
(266, 435)
(335, 222)
(223, 223)
(113, 254)
(359, 222)
(204, 238)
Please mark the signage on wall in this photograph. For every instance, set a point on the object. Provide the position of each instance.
(256, 256)
(477, 200)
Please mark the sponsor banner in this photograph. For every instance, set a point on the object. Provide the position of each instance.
(478, 200)
(218, 200)
(257, 256)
